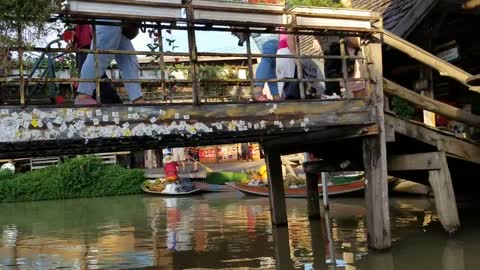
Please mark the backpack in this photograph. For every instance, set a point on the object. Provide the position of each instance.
(130, 29)
(333, 69)
(310, 70)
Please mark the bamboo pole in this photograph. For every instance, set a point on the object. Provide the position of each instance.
(20, 61)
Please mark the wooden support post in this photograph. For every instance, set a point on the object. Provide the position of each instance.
(250, 65)
(318, 245)
(376, 195)
(278, 207)
(161, 58)
(325, 177)
(375, 156)
(281, 248)
(313, 199)
(21, 66)
(95, 57)
(426, 77)
(344, 54)
(415, 162)
(192, 46)
(298, 60)
(441, 183)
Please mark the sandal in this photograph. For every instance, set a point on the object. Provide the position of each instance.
(84, 100)
(262, 98)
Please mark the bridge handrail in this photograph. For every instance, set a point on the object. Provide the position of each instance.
(445, 68)
(430, 104)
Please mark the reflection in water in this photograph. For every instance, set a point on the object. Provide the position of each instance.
(214, 231)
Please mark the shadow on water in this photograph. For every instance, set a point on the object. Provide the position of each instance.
(222, 231)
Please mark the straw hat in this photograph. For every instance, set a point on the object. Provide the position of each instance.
(167, 159)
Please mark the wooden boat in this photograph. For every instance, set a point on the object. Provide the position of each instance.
(335, 189)
(212, 187)
(167, 193)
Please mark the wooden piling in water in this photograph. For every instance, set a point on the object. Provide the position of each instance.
(313, 198)
(440, 180)
(278, 206)
(281, 248)
(318, 239)
(375, 155)
(442, 187)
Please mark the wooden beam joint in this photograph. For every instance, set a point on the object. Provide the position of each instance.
(415, 162)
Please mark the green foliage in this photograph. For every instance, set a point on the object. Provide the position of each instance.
(21, 23)
(403, 108)
(211, 72)
(24, 15)
(314, 3)
(74, 178)
(5, 174)
(220, 178)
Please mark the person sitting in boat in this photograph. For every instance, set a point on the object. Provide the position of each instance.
(170, 168)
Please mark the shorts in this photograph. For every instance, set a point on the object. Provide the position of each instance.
(178, 154)
(195, 156)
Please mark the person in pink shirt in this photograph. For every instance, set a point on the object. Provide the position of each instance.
(285, 67)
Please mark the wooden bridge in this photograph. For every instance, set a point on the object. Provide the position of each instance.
(361, 130)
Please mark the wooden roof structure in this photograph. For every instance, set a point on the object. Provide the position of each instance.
(399, 16)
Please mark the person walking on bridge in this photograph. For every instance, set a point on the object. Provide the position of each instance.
(110, 37)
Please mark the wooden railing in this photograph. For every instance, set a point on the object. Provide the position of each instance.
(430, 104)
(445, 69)
(204, 15)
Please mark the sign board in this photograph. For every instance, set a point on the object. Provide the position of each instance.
(255, 148)
(208, 154)
(449, 55)
(227, 152)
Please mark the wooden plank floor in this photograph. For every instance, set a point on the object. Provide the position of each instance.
(114, 128)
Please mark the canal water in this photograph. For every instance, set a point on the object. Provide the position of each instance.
(224, 231)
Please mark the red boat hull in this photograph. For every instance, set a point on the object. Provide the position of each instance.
(353, 186)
